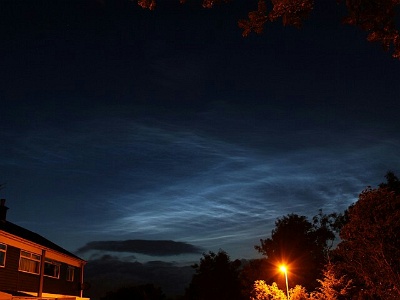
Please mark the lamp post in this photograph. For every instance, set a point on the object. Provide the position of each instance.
(284, 270)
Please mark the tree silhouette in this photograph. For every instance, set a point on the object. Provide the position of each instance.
(139, 292)
(392, 183)
(253, 270)
(216, 278)
(376, 17)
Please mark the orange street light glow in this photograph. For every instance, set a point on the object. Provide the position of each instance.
(283, 269)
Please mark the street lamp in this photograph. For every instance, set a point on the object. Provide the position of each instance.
(284, 270)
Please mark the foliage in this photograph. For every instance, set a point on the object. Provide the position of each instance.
(301, 245)
(376, 17)
(263, 291)
(370, 246)
(151, 4)
(216, 278)
(139, 292)
(298, 293)
(292, 12)
(332, 287)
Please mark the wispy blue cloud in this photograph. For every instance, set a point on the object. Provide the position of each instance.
(140, 179)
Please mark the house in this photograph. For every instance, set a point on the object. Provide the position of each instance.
(32, 267)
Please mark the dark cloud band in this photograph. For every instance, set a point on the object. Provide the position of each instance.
(147, 247)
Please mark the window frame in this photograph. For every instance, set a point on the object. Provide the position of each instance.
(31, 257)
(70, 274)
(3, 256)
(55, 265)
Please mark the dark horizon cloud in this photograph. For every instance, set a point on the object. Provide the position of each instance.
(147, 247)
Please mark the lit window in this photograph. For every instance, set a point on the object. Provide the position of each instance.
(70, 273)
(29, 262)
(3, 250)
(51, 268)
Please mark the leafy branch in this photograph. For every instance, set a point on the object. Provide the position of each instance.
(376, 17)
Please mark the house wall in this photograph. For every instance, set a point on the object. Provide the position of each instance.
(13, 279)
(9, 275)
(61, 285)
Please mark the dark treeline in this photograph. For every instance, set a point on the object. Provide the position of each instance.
(363, 265)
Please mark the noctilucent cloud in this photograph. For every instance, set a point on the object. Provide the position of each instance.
(162, 135)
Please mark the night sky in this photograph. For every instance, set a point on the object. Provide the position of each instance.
(119, 124)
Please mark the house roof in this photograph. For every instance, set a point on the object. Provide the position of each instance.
(26, 234)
